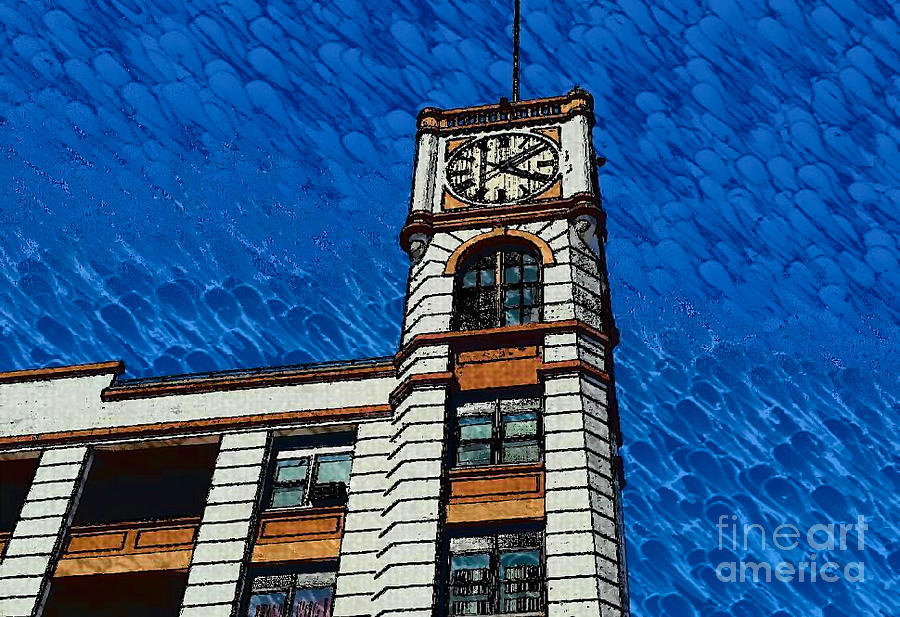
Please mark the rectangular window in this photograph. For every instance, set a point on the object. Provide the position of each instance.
(504, 431)
(311, 477)
(291, 595)
(496, 575)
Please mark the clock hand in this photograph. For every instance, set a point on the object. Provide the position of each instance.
(528, 175)
(482, 167)
(515, 160)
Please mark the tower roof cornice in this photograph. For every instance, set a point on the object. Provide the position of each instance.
(506, 113)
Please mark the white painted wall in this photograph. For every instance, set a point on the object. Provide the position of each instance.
(74, 403)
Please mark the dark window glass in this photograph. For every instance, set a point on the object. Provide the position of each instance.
(267, 604)
(291, 595)
(470, 584)
(519, 438)
(493, 575)
(303, 478)
(499, 431)
(520, 581)
(499, 288)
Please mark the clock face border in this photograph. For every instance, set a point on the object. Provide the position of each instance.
(454, 147)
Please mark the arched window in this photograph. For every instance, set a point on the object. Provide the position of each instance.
(499, 287)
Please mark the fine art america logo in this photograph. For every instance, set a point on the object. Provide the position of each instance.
(830, 539)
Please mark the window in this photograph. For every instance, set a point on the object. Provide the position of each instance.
(318, 477)
(503, 431)
(291, 595)
(498, 288)
(496, 575)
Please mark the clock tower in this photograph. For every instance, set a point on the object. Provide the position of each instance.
(496, 487)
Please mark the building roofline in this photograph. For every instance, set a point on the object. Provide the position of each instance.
(243, 379)
(113, 367)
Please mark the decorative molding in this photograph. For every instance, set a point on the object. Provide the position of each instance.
(428, 223)
(113, 367)
(577, 102)
(418, 244)
(496, 237)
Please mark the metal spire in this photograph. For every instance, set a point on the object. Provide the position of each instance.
(515, 71)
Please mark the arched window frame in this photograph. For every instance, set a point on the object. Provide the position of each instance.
(494, 285)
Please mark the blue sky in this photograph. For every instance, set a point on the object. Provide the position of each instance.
(222, 185)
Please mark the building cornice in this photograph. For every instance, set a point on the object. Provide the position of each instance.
(244, 380)
(429, 223)
(503, 337)
(506, 114)
(114, 367)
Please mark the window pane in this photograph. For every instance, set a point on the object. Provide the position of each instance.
(531, 274)
(519, 425)
(269, 604)
(512, 258)
(485, 262)
(474, 453)
(512, 297)
(520, 452)
(313, 602)
(486, 278)
(292, 470)
(284, 496)
(468, 279)
(532, 315)
(474, 427)
(528, 296)
(333, 468)
(511, 317)
(520, 582)
(512, 275)
(470, 584)
(529, 258)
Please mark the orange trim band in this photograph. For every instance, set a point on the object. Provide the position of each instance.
(204, 426)
(507, 336)
(114, 367)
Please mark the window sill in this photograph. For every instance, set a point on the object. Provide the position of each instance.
(538, 614)
(307, 509)
(498, 469)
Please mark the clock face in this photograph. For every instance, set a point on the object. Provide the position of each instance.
(502, 168)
